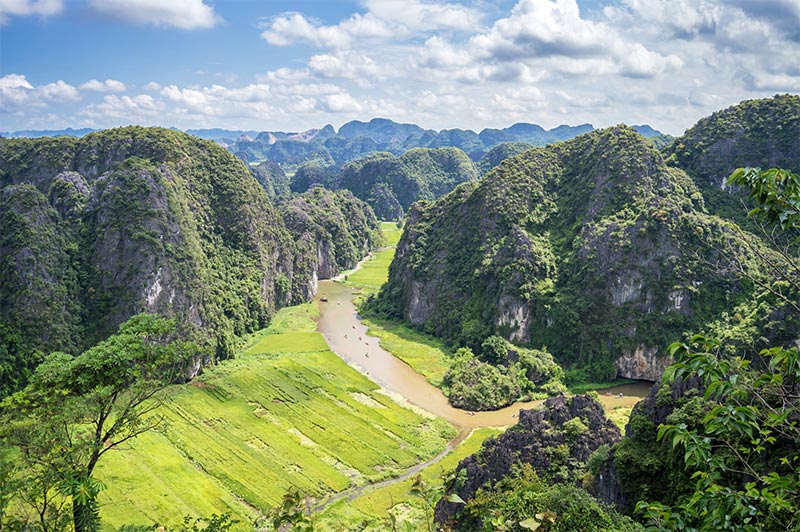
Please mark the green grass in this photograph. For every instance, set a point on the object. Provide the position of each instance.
(373, 506)
(301, 342)
(620, 415)
(286, 413)
(152, 478)
(375, 271)
(425, 354)
(391, 233)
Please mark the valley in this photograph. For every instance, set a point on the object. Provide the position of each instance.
(330, 413)
(549, 341)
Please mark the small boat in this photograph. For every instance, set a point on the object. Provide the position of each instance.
(324, 298)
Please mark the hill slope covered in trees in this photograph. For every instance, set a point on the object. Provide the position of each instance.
(757, 133)
(97, 229)
(391, 184)
(593, 247)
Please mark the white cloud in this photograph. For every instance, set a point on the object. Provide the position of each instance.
(182, 14)
(347, 65)
(385, 20)
(109, 85)
(340, 103)
(540, 29)
(59, 91)
(28, 7)
(290, 28)
(18, 94)
(285, 75)
(426, 16)
(446, 64)
(14, 90)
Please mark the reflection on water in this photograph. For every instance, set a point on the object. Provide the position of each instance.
(347, 337)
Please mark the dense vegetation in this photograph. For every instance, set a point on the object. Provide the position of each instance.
(757, 133)
(285, 414)
(726, 446)
(135, 219)
(332, 230)
(391, 184)
(529, 474)
(274, 180)
(593, 247)
(502, 375)
(74, 411)
(596, 248)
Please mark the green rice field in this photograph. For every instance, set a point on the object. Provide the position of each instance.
(375, 271)
(370, 510)
(286, 413)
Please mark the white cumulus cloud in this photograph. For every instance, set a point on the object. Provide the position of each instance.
(385, 20)
(109, 85)
(182, 14)
(44, 8)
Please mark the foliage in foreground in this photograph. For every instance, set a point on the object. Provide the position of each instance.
(73, 412)
(743, 456)
(522, 501)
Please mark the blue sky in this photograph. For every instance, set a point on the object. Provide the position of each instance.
(294, 65)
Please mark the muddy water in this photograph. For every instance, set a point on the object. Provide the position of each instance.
(347, 337)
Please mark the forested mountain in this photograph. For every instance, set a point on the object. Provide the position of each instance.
(594, 247)
(391, 184)
(357, 139)
(94, 230)
(758, 133)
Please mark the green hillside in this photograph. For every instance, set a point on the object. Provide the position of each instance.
(594, 248)
(97, 229)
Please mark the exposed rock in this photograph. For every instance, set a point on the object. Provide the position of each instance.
(533, 440)
(642, 363)
(613, 488)
(153, 220)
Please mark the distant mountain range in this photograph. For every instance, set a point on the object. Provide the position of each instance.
(356, 139)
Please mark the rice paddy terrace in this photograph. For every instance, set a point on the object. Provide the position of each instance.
(288, 412)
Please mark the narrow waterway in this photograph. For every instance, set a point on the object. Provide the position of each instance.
(347, 337)
(341, 326)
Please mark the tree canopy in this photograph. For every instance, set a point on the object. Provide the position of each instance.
(77, 408)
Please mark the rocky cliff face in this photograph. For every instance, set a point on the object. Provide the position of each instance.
(593, 247)
(134, 220)
(556, 440)
(763, 133)
(638, 465)
(332, 231)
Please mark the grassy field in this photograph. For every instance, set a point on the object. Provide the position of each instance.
(620, 415)
(285, 413)
(375, 271)
(369, 511)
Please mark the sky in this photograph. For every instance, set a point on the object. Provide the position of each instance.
(292, 65)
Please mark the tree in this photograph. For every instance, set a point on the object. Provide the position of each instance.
(76, 409)
(744, 456)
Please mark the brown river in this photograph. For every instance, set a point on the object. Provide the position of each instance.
(341, 326)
